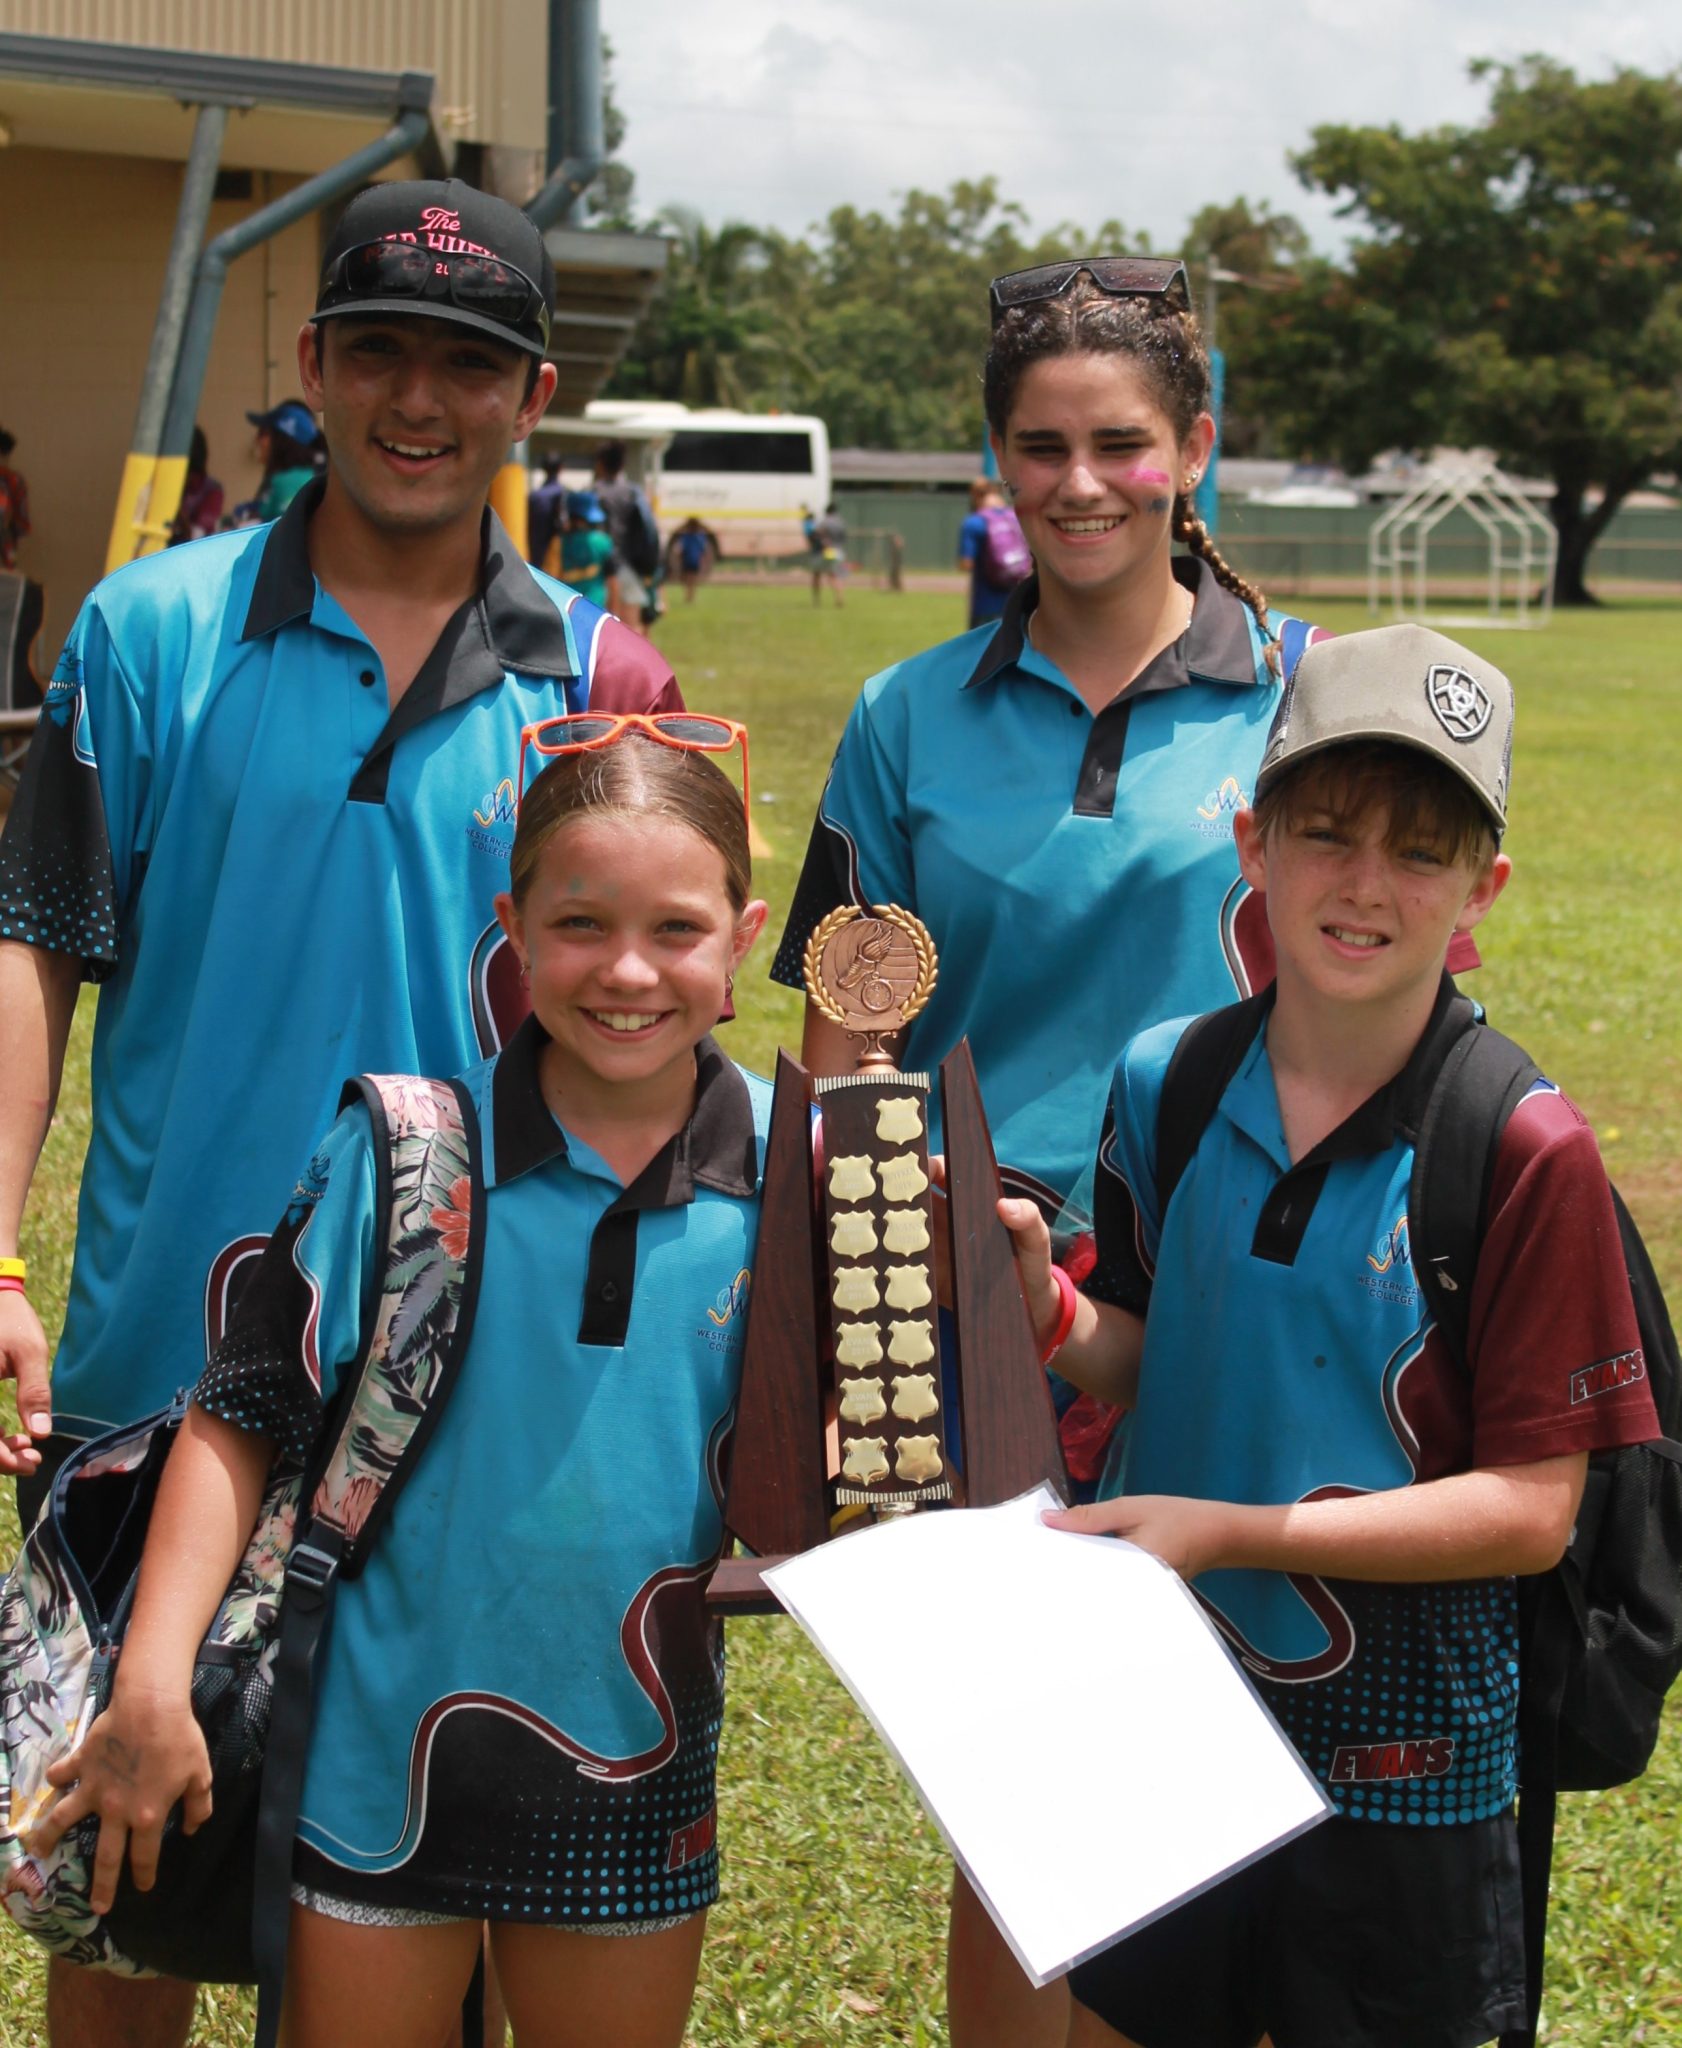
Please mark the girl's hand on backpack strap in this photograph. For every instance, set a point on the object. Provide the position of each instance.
(143, 1754)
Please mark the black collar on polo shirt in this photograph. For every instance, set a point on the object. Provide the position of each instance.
(1215, 647)
(507, 624)
(1393, 1111)
(716, 1149)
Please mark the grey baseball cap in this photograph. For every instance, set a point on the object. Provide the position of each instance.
(1407, 685)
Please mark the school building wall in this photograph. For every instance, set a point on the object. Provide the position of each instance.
(83, 243)
(490, 57)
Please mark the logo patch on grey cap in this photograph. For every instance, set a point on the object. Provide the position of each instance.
(1461, 703)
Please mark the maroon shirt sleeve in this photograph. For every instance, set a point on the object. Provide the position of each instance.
(1556, 1356)
(630, 673)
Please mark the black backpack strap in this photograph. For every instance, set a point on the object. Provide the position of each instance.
(426, 1143)
(1482, 1080)
(1210, 1052)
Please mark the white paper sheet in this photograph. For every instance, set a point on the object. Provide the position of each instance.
(1068, 1717)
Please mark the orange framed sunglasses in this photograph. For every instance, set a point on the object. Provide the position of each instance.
(579, 732)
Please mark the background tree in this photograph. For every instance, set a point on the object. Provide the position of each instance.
(877, 322)
(1263, 250)
(1518, 287)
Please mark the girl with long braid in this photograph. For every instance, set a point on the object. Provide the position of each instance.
(1052, 793)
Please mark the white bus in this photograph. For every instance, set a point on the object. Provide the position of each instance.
(749, 477)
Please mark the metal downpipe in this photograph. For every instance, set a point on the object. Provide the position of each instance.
(577, 140)
(198, 186)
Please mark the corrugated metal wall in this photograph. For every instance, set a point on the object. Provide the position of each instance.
(488, 56)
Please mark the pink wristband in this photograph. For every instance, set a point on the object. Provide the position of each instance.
(10, 1286)
(1069, 1295)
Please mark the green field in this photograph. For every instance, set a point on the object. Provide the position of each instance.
(832, 1925)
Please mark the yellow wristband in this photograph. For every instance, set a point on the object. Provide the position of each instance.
(13, 1269)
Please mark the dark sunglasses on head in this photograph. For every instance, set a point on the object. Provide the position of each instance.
(404, 270)
(1122, 277)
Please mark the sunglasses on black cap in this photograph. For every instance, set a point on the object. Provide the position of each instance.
(1121, 277)
(405, 270)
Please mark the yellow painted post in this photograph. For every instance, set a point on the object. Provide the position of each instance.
(132, 493)
(168, 484)
(509, 491)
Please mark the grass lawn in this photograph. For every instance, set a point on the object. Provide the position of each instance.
(832, 1927)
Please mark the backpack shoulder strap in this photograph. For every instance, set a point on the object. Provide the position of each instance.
(1483, 1078)
(1210, 1052)
(430, 1203)
(1294, 636)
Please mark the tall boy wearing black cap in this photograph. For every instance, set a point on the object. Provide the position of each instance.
(267, 809)
(1350, 1502)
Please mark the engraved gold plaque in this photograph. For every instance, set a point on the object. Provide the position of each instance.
(855, 1290)
(904, 1231)
(853, 1235)
(903, 1179)
(914, 1397)
(899, 1119)
(866, 1460)
(862, 1401)
(910, 1343)
(908, 1287)
(852, 1179)
(919, 1458)
(857, 1344)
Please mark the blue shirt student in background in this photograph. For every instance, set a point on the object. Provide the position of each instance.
(1350, 1502)
(987, 598)
(519, 1712)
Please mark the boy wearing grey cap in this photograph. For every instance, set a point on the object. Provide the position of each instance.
(1351, 1501)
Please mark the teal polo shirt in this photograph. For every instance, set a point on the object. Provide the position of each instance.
(519, 1708)
(1076, 870)
(277, 879)
(1290, 1355)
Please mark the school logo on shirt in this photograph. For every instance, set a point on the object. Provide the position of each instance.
(1214, 814)
(1366, 1763)
(492, 829)
(730, 1305)
(1606, 1375)
(1390, 1275)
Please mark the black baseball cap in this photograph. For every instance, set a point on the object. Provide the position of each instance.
(488, 270)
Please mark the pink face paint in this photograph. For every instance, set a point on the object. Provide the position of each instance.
(1145, 477)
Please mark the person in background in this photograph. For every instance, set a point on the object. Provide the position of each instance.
(201, 498)
(289, 447)
(624, 505)
(693, 549)
(992, 551)
(829, 554)
(14, 503)
(589, 560)
(546, 517)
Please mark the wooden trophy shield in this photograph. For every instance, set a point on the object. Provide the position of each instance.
(844, 1405)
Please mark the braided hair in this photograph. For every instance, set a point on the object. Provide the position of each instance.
(1159, 335)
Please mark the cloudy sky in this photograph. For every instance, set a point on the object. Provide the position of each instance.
(1084, 109)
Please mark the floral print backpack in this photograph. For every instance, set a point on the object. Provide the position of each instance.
(220, 1908)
